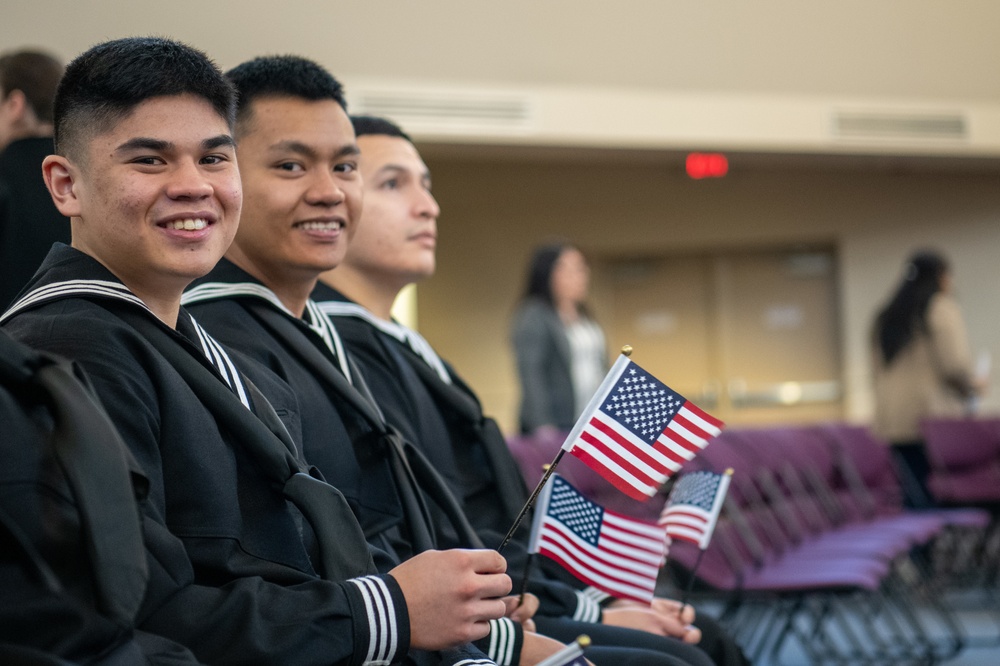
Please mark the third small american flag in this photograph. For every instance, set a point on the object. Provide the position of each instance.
(637, 432)
(694, 506)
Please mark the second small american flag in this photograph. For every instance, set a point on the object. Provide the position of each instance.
(612, 552)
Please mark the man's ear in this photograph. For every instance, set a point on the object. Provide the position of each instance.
(17, 105)
(61, 178)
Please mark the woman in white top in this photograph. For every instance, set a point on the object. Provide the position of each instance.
(560, 349)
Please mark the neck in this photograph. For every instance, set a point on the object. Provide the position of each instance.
(162, 295)
(568, 310)
(166, 310)
(292, 290)
(372, 294)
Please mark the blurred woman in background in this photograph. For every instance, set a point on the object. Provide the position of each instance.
(560, 349)
(923, 366)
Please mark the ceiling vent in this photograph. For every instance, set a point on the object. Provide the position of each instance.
(883, 125)
(457, 112)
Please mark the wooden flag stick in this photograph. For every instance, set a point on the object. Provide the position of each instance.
(627, 352)
(690, 585)
(527, 572)
(531, 500)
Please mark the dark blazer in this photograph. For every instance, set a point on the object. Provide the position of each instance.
(543, 367)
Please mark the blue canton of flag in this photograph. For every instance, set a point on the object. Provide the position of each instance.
(615, 553)
(637, 432)
(575, 511)
(694, 505)
(642, 404)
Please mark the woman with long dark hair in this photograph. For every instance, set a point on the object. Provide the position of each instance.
(923, 367)
(560, 349)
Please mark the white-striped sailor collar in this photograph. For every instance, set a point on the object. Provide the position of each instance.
(313, 316)
(211, 349)
(404, 334)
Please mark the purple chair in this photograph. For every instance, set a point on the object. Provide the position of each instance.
(964, 455)
(533, 452)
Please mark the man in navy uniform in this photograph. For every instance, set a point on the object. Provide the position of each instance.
(252, 557)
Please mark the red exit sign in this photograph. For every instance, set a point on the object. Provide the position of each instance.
(706, 165)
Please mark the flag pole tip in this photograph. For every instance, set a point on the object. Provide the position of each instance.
(729, 471)
(627, 351)
(583, 640)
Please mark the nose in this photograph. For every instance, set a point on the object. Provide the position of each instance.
(427, 205)
(189, 182)
(325, 189)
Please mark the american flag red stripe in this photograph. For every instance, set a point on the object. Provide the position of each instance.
(637, 433)
(615, 553)
(684, 525)
(694, 506)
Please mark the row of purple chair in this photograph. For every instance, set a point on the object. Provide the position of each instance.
(814, 538)
(815, 545)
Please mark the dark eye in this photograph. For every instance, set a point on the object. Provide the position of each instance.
(391, 184)
(346, 167)
(290, 166)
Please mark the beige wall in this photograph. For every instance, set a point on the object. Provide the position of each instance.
(859, 48)
(494, 212)
(723, 73)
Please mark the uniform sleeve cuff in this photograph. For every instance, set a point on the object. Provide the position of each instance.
(588, 608)
(503, 645)
(382, 624)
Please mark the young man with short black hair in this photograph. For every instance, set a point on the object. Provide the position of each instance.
(425, 398)
(253, 559)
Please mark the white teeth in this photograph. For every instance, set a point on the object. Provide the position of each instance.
(320, 226)
(188, 225)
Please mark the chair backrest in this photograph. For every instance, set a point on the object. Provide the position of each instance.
(964, 457)
(866, 471)
(534, 452)
(955, 444)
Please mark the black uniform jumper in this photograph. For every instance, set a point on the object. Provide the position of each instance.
(234, 569)
(395, 493)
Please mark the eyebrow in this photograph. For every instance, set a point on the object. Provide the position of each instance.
(425, 175)
(160, 145)
(309, 151)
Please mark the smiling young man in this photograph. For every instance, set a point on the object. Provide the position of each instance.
(302, 198)
(252, 558)
(424, 398)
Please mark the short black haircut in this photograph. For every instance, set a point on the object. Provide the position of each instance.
(282, 76)
(34, 73)
(381, 126)
(105, 84)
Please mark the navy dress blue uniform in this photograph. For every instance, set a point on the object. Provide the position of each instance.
(231, 561)
(341, 431)
(429, 403)
(73, 568)
(240, 311)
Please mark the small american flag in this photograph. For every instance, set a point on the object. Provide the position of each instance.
(614, 553)
(636, 432)
(694, 505)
